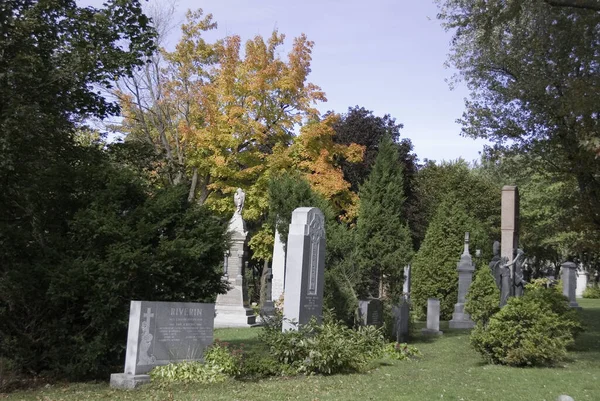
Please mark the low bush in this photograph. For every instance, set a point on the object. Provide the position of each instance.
(527, 332)
(591, 292)
(552, 299)
(401, 351)
(483, 297)
(325, 349)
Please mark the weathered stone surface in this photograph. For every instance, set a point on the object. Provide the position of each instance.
(401, 313)
(164, 332)
(278, 268)
(465, 267)
(569, 280)
(433, 317)
(370, 312)
(305, 268)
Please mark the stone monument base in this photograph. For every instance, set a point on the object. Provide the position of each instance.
(574, 305)
(461, 321)
(127, 381)
(431, 332)
(235, 316)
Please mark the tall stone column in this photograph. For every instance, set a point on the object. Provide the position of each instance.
(510, 228)
(232, 309)
(465, 267)
(569, 280)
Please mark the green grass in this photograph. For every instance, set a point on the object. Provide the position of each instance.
(448, 370)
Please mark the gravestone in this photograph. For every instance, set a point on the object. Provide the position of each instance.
(232, 308)
(406, 284)
(460, 319)
(278, 268)
(305, 268)
(433, 317)
(401, 313)
(370, 312)
(569, 280)
(163, 332)
(582, 281)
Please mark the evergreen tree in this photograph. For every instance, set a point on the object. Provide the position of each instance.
(483, 297)
(383, 242)
(434, 273)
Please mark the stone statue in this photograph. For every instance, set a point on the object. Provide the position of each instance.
(238, 198)
(512, 281)
(495, 264)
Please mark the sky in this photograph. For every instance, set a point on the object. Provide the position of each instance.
(387, 56)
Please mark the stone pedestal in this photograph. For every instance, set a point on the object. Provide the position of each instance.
(569, 280)
(433, 317)
(278, 268)
(305, 268)
(232, 308)
(461, 319)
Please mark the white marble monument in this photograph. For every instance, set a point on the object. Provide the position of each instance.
(305, 268)
(232, 308)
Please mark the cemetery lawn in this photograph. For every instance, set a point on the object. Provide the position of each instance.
(448, 370)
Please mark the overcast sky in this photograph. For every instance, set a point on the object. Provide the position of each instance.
(386, 55)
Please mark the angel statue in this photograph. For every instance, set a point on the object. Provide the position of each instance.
(238, 199)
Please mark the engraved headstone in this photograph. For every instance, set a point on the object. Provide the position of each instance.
(461, 319)
(305, 268)
(433, 317)
(163, 332)
(569, 280)
(370, 312)
(401, 315)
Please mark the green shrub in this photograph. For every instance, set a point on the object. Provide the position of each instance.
(524, 333)
(256, 365)
(325, 349)
(483, 297)
(592, 292)
(552, 299)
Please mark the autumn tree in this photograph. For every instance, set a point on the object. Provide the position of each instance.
(534, 76)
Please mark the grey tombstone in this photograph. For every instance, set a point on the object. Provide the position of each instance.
(461, 319)
(232, 307)
(370, 312)
(569, 280)
(401, 313)
(510, 228)
(433, 317)
(305, 268)
(163, 332)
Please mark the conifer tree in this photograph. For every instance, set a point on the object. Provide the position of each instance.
(483, 297)
(383, 242)
(434, 273)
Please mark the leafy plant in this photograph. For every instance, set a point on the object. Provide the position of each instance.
(401, 351)
(591, 292)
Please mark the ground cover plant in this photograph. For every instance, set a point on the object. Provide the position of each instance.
(449, 369)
